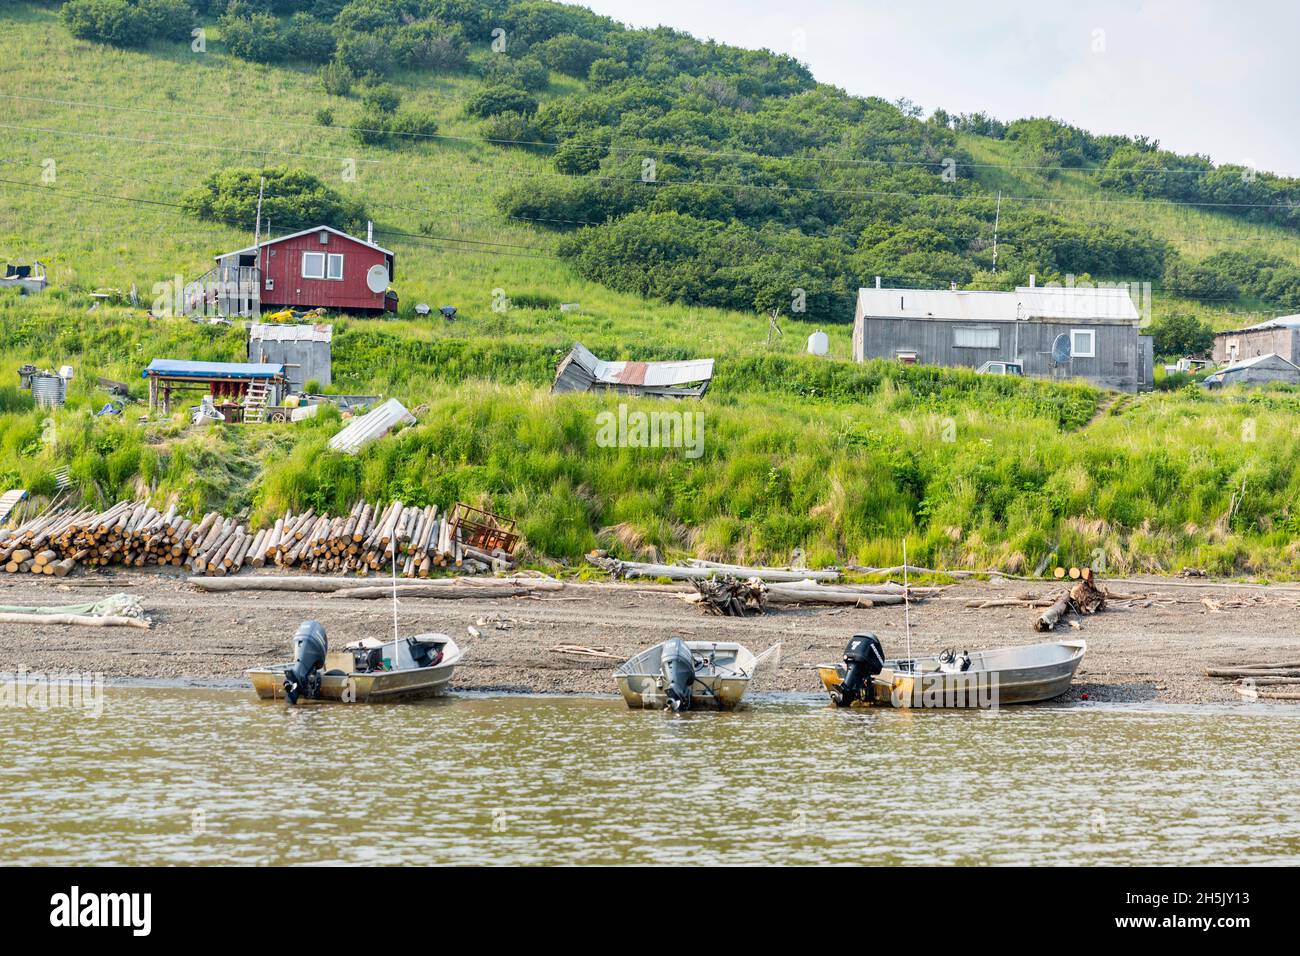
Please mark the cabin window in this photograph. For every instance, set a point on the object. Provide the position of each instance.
(975, 337)
(1083, 343)
(335, 267)
(313, 265)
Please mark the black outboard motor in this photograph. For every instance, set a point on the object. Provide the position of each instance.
(864, 658)
(309, 646)
(677, 665)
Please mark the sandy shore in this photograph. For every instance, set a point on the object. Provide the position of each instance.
(1135, 653)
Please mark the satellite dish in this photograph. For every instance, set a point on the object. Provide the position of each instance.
(818, 343)
(377, 279)
(1061, 349)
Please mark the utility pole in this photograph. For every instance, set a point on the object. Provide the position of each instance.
(997, 219)
(257, 227)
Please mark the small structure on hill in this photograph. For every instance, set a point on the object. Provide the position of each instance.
(580, 371)
(1260, 370)
(241, 391)
(321, 267)
(303, 350)
(29, 279)
(1092, 333)
(1280, 336)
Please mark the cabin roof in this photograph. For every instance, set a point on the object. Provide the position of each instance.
(303, 232)
(1073, 304)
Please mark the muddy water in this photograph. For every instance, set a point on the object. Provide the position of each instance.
(215, 776)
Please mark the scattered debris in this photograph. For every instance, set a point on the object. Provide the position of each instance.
(581, 371)
(583, 651)
(120, 610)
(9, 501)
(1262, 681)
(485, 535)
(730, 596)
(370, 427)
(1083, 598)
(49, 389)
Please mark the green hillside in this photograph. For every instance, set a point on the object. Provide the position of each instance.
(520, 177)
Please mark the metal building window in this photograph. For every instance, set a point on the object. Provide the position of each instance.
(313, 265)
(335, 270)
(976, 337)
(1083, 343)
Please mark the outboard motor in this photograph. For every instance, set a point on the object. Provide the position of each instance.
(864, 658)
(309, 646)
(677, 666)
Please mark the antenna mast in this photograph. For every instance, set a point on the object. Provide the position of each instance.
(907, 605)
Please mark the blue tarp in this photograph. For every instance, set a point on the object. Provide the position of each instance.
(177, 368)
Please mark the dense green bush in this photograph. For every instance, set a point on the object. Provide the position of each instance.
(293, 199)
(500, 99)
(129, 23)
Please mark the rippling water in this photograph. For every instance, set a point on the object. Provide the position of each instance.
(215, 776)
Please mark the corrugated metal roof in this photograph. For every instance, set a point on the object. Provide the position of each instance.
(651, 374)
(1075, 304)
(370, 427)
(178, 368)
(295, 235)
(1281, 322)
(1256, 360)
(263, 332)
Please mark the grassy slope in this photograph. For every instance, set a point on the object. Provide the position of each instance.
(838, 459)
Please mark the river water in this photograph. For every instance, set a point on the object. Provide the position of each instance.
(175, 775)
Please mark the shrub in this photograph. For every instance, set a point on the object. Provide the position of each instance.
(430, 45)
(511, 129)
(603, 72)
(308, 39)
(381, 98)
(294, 199)
(569, 54)
(128, 23)
(578, 157)
(365, 54)
(256, 38)
(525, 73)
(336, 78)
(496, 100)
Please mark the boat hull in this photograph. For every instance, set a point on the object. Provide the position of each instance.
(1007, 676)
(645, 692)
(377, 687)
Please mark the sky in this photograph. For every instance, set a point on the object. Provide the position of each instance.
(1201, 76)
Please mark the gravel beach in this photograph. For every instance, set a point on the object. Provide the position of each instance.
(1150, 649)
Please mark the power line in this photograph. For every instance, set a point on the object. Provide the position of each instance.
(638, 149)
(105, 197)
(184, 145)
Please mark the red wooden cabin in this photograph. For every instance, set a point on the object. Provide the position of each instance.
(316, 268)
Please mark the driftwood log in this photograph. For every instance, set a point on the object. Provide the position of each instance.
(1084, 597)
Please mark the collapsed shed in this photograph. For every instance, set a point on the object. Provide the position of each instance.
(581, 371)
(303, 350)
(370, 427)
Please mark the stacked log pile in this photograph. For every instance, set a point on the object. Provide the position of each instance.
(133, 534)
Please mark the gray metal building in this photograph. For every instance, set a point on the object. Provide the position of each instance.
(967, 328)
(1257, 370)
(304, 351)
(1280, 336)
